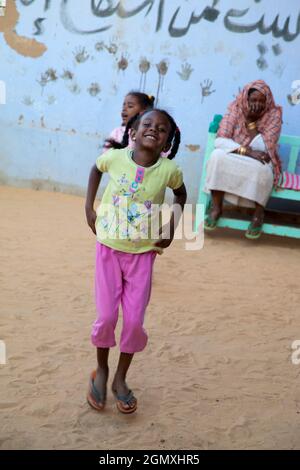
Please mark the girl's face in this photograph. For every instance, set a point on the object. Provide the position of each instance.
(257, 104)
(131, 107)
(153, 132)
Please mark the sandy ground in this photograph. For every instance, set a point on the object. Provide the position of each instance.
(217, 372)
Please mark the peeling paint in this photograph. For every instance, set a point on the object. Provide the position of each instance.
(22, 45)
(193, 148)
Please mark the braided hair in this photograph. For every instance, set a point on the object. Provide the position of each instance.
(145, 101)
(174, 136)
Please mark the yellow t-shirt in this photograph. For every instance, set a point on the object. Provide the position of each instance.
(128, 217)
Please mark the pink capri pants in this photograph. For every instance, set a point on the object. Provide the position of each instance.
(121, 278)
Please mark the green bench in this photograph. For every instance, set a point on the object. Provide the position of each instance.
(238, 224)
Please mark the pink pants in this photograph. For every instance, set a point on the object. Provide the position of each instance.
(121, 278)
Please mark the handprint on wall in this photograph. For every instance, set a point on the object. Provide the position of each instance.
(162, 69)
(206, 88)
(186, 71)
(81, 55)
(123, 62)
(144, 67)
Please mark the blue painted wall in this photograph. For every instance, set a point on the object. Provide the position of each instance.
(63, 102)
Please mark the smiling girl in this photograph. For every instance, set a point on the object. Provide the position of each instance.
(125, 250)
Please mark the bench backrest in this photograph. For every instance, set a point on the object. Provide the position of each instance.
(293, 142)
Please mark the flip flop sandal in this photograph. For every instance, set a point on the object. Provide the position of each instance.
(122, 400)
(253, 233)
(94, 398)
(210, 224)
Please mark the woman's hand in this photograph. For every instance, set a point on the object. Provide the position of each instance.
(91, 217)
(262, 157)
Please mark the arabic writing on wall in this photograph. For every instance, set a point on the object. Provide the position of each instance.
(234, 19)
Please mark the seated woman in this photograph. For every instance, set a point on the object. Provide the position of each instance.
(245, 164)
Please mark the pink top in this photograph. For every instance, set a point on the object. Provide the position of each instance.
(117, 135)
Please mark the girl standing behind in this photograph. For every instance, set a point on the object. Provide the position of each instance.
(134, 104)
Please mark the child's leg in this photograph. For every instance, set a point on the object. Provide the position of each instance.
(102, 371)
(137, 282)
(108, 289)
(119, 386)
(137, 279)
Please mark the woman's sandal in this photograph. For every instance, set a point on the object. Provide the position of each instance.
(210, 224)
(128, 400)
(94, 398)
(253, 233)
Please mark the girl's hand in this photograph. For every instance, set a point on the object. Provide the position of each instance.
(166, 237)
(94, 181)
(91, 217)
